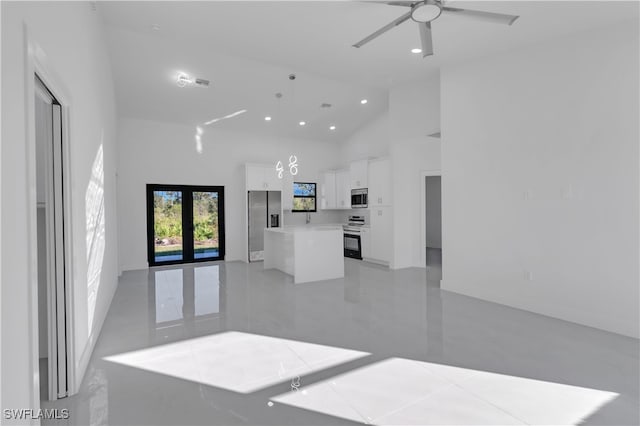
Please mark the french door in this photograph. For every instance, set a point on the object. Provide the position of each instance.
(185, 224)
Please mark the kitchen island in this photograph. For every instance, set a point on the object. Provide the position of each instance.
(308, 253)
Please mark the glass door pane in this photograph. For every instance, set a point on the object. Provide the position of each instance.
(206, 234)
(167, 226)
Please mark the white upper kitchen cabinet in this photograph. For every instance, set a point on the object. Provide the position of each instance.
(343, 189)
(358, 171)
(380, 182)
(262, 177)
(328, 199)
(381, 234)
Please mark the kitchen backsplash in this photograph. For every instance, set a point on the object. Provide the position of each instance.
(324, 216)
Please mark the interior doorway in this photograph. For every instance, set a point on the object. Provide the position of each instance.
(52, 261)
(432, 226)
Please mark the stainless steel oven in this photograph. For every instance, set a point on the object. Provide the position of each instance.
(359, 198)
(352, 242)
(352, 246)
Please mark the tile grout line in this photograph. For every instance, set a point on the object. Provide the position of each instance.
(474, 374)
(422, 398)
(491, 403)
(331, 386)
(451, 384)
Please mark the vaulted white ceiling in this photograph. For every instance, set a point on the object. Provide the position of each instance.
(247, 50)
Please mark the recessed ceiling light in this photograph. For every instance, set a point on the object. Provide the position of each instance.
(364, 101)
(302, 123)
(267, 118)
(416, 50)
(332, 127)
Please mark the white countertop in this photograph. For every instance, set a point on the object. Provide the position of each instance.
(291, 229)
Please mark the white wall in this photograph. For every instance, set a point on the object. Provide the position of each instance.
(540, 175)
(414, 111)
(401, 134)
(154, 152)
(71, 39)
(371, 140)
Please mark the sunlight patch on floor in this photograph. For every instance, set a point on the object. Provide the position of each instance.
(401, 391)
(240, 362)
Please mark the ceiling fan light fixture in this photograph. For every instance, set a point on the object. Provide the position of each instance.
(426, 11)
(183, 80)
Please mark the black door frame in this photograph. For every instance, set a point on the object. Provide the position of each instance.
(187, 223)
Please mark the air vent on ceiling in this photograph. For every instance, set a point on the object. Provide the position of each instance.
(202, 82)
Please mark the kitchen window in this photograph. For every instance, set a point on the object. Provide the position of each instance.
(304, 197)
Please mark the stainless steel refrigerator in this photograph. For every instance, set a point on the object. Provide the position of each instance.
(265, 208)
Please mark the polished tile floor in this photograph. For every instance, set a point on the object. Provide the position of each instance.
(229, 343)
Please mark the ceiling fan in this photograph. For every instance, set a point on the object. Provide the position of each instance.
(425, 11)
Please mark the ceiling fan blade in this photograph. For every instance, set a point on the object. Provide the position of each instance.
(383, 30)
(426, 39)
(497, 18)
(401, 3)
(393, 3)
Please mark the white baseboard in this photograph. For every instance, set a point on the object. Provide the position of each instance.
(377, 262)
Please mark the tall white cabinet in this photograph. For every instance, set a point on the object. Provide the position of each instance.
(380, 234)
(343, 190)
(379, 182)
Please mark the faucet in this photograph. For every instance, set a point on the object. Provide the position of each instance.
(308, 221)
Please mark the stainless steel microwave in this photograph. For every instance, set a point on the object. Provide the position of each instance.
(359, 198)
